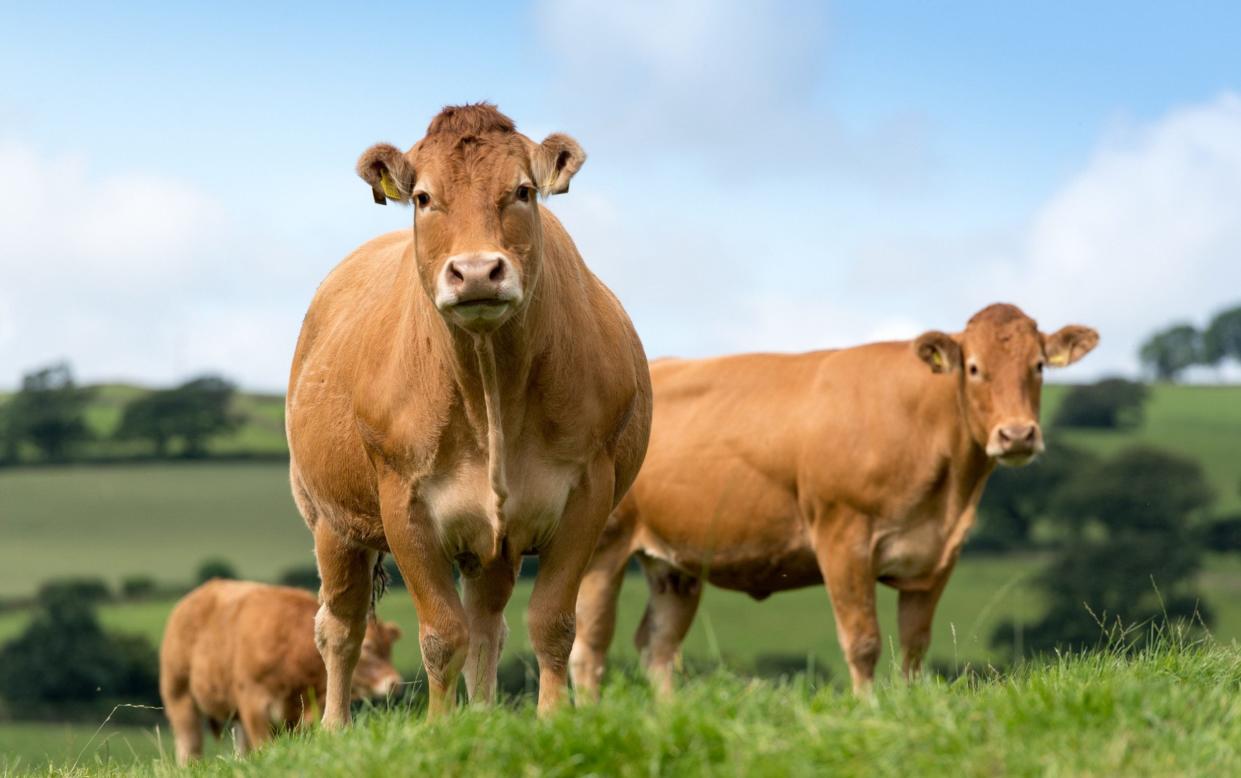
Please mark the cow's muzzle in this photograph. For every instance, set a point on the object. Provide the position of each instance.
(478, 291)
(1015, 443)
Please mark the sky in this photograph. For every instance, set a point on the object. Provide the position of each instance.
(175, 181)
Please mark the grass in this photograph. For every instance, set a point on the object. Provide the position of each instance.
(1171, 710)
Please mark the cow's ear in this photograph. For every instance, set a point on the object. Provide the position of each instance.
(388, 171)
(394, 632)
(939, 350)
(1069, 344)
(554, 161)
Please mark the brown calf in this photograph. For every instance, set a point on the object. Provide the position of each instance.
(464, 391)
(769, 472)
(246, 651)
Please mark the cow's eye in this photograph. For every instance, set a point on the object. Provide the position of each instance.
(423, 199)
(523, 193)
(1039, 367)
(974, 369)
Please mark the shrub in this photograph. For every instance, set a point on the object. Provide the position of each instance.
(137, 587)
(88, 591)
(216, 568)
(65, 662)
(1112, 403)
(302, 577)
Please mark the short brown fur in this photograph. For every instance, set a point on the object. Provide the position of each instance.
(246, 651)
(770, 472)
(416, 429)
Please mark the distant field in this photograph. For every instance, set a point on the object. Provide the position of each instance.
(735, 630)
(1202, 422)
(157, 519)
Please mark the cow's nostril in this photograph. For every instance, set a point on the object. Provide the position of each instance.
(497, 272)
(454, 273)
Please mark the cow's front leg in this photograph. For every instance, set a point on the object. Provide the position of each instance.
(486, 594)
(562, 563)
(442, 632)
(916, 610)
(344, 599)
(842, 544)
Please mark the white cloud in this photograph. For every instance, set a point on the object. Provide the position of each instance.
(1148, 233)
(137, 276)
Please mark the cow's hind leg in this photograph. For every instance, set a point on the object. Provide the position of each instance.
(596, 608)
(842, 545)
(340, 626)
(669, 613)
(486, 594)
(187, 725)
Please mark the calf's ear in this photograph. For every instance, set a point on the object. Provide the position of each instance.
(1069, 344)
(939, 350)
(394, 632)
(388, 171)
(554, 162)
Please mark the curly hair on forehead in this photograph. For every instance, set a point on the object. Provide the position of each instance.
(470, 119)
(999, 315)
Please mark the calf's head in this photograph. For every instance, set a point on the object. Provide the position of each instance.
(374, 675)
(474, 182)
(999, 361)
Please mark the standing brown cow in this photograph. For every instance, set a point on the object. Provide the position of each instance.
(464, 390)
(771, 472)
(246, 651)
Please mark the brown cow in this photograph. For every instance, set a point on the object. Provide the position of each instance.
(246, 651)
(466, 390)
(770, 472)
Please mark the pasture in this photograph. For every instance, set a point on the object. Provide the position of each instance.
(1172, 710)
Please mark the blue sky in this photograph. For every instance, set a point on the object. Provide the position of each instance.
(174, 182)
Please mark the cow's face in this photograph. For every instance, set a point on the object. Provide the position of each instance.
(474, 183)
(999, 360)
(374, 675)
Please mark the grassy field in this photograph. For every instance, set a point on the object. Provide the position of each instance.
(1170, 711)
(157, 519)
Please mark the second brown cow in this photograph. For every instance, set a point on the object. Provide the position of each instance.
(769, 472)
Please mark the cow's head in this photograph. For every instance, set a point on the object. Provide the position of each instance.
(474, 183)
(999, 360)
(374, 675)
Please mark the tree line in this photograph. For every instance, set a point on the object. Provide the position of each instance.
(1171, 351)
(47, 419)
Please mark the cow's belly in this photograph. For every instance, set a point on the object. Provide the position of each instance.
(460, 505)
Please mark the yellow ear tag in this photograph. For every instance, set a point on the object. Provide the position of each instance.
(389, 186)
(937, 359)
(1059, 360)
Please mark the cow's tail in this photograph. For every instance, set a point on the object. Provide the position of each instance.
(379, 582)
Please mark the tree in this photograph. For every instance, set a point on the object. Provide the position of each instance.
(1016, 497)
(64, 660)
(1110, 404)
(1169, 352)
(194, 412)
(49, 411)
(1222, 338)
(1134, 554)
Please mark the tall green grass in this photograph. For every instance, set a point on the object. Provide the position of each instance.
(1170, 710)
